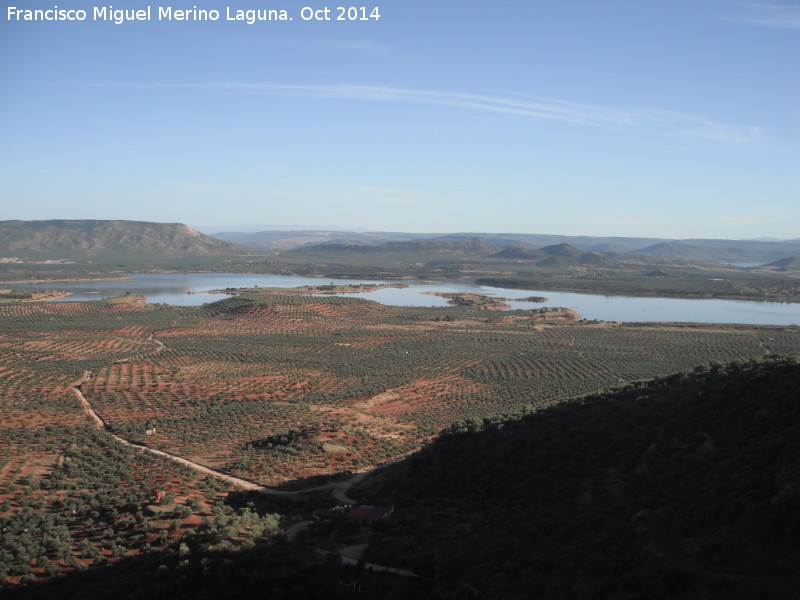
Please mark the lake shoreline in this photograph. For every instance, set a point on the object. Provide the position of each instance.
(191, 289)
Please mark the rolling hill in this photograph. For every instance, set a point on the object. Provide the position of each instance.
(288, 240)
(789, 263)
(713, 250)
(433, 251)
(686, 487)
(407, 251)
(555, 255)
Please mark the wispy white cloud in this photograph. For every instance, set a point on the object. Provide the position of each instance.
(769, 15)
(511, 104)
(652, 120)
(517, 105)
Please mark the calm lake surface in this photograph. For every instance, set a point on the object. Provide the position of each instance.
(172, 288)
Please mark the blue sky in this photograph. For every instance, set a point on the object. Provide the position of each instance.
(668, 119)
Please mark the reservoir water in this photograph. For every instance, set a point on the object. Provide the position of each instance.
(173, 288)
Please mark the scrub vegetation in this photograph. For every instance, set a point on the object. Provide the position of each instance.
(285, 390)
(684, 487)
(358, 383)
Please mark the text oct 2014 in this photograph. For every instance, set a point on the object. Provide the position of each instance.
(169, 13)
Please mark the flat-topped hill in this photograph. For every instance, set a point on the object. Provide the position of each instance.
(92, 238)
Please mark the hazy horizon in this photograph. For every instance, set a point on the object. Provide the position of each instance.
(212, 229)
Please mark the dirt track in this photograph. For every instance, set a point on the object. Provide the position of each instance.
(339, 489)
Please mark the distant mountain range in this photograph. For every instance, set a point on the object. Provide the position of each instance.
(441, 251)
(134, 239)
(91, 238)
(722, 251)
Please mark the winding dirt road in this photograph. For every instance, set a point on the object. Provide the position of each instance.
(339, 489)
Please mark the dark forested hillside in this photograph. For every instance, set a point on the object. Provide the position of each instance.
(688, 487)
